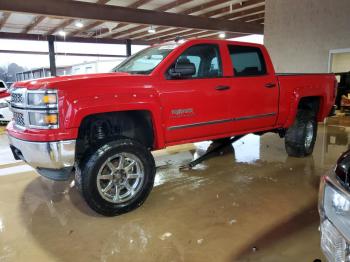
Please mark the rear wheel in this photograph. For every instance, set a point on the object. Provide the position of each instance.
(117, 178)
(301, 136)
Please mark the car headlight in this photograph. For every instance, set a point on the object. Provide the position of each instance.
(337, 209)
(43, 119)
(46, 99)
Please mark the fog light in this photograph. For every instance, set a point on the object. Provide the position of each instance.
(50, 119)
(44, 120)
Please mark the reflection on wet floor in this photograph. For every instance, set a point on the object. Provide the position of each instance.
(5, 153)
(253, 203)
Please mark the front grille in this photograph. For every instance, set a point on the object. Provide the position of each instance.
(17, 98)
(19, 118)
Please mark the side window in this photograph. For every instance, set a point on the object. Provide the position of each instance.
(206, 59)
(247, 60)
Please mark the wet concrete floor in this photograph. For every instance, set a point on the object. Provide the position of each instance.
(256, 204)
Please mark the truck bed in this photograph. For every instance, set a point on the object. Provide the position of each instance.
(294, 86)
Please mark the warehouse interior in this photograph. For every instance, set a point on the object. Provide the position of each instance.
(246, 200)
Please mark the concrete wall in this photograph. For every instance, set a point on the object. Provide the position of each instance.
(300, 33)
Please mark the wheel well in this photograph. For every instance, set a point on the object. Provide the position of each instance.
(97, 128)
(310, 103)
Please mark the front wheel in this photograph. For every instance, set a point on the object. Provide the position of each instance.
(117, 178)
(301, 136)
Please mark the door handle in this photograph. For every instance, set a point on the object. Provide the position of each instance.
(222, 88)
(270, 85)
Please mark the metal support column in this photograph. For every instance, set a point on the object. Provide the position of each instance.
(128, 47)
(51, 41)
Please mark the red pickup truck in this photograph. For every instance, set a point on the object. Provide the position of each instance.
(103, 126)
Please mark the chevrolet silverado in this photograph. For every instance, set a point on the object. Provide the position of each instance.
(104, 126)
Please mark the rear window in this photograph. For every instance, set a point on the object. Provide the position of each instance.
(2, 85)
(247, 60)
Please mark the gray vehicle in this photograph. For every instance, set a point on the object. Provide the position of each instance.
(334, 209)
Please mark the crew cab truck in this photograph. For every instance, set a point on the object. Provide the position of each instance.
(104, 126)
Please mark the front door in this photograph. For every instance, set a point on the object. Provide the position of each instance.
(197, 105)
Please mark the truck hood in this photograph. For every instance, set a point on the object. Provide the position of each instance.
(61, 82)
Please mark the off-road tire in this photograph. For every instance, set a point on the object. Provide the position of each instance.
(88, 168)
(296, 136)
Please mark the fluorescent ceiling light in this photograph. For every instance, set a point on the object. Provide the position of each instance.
(79, 24)
(151, 30)
(62, 33)
(222, 35)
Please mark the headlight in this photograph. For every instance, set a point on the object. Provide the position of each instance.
(337, 209)
(46, 99)
(43, 120)
(37, 109)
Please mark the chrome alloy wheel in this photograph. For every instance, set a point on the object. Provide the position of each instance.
(309, 134)
(120, 178)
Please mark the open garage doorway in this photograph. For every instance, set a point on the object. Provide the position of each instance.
(339, 63)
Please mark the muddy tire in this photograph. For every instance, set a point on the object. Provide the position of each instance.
(116, 178)
(301, 136)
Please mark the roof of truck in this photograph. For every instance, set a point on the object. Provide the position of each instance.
(204, 40)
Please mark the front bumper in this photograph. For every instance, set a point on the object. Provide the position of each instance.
(54, 160)
(335, 241)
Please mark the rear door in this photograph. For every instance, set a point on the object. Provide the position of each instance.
(254, 89)
(199, 105)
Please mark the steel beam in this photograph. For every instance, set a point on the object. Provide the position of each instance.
(52, 57)
(33, 24)
(128, 47)
(7, 51)
(37, 37)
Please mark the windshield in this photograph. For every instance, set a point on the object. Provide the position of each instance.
(2, 86)
(145, 61)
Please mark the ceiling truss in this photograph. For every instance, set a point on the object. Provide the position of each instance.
(104, 20)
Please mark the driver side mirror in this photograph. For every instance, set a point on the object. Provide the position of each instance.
(182, 70)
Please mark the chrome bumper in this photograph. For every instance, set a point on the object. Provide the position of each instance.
(47, 157)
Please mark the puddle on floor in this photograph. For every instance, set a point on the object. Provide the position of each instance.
(253, 203)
